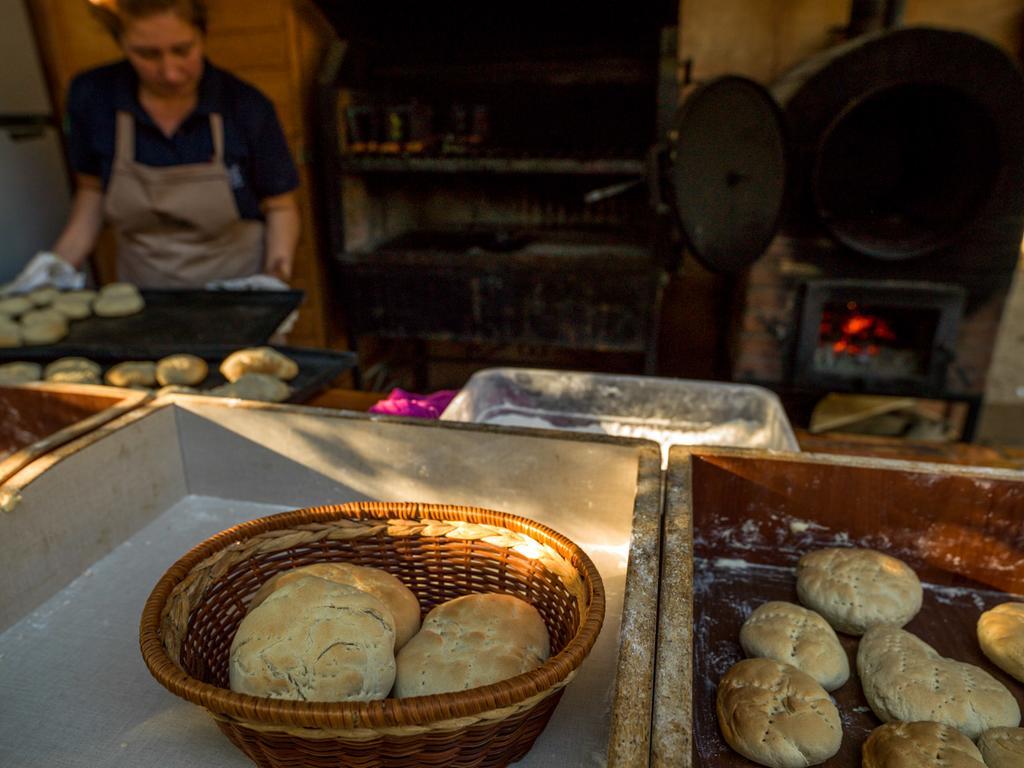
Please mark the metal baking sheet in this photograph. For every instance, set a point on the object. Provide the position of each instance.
(187, 467)
(668, 411)
(318, 368)
(746, 518)
(175, 321)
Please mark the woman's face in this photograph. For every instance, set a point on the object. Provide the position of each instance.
(166, 52)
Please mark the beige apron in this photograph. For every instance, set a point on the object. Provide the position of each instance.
(178, 226)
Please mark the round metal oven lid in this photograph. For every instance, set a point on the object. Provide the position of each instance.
(728, 170)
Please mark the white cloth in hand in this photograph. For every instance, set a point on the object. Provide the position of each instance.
(251, 283)
(45, 269)
(259, 282)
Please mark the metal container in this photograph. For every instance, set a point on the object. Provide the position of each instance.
(668, 411)
(196, 321)
(99, 521)
(317, 367)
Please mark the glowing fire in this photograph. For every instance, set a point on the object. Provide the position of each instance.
(859, 333)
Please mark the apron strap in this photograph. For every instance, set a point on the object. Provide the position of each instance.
(217, 131)
(125, 144)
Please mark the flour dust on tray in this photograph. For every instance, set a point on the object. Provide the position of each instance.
(744, 433)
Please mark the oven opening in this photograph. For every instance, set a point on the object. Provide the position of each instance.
(871, 340)
(905, 170)
(875, 335)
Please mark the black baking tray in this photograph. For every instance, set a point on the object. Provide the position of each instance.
(317, 367)
(176, 321)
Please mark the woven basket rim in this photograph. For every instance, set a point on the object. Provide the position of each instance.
(388, 713)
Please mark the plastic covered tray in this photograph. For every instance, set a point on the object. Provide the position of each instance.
(668, 411)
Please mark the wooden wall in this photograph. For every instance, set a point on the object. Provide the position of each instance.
(763, 38)
(275, 45)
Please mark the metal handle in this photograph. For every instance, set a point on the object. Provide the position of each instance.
(603, 193)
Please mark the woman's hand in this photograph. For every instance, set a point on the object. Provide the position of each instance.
(79, 237)
(283, 226)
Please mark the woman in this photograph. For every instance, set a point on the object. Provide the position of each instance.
(186, 162)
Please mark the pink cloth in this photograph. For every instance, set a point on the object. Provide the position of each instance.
(402, 403)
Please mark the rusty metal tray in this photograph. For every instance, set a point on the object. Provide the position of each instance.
(88, 535)
(737, 522)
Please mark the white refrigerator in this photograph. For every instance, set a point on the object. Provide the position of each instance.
(34, 189)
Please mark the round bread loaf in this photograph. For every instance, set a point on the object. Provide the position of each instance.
(43, 297)
(857, 588)
(15, 306)
(1002, 747)
(71, 364)
(118, 304)
(776, 715)
(1001, 637)
(471, 641)
(399, 599)
(10, 333)
(72, 308)
(73, 370)
(184, 369)
(20, 373)
(43, 326)
(39, 316)
(258, 360)
(314, 640)
(118, 289)
(905, 679)
(255, 386)
(919, 745)
(791, 634)
(87, 295)
(177, 389)
(132, 373)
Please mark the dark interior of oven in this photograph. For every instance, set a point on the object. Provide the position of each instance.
(484, 173)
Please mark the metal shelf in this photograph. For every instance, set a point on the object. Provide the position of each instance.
(526, 165)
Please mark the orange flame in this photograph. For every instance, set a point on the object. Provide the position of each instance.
(860, 333)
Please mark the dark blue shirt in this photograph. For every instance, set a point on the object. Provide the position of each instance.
(255, 150)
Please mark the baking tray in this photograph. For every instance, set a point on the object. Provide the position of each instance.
(668, 411)
(747, 517)
(318, 368)
(175, 321)
(90, 535)
(36, 418)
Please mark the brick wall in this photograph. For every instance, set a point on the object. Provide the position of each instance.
(765, 332)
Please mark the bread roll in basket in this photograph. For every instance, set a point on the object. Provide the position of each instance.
(440, 552)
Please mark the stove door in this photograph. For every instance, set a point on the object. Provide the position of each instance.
(728, 171)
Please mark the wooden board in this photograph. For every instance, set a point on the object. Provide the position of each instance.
(746, 518)
(38, 417)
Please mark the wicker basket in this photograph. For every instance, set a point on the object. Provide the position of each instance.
(440, 552)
